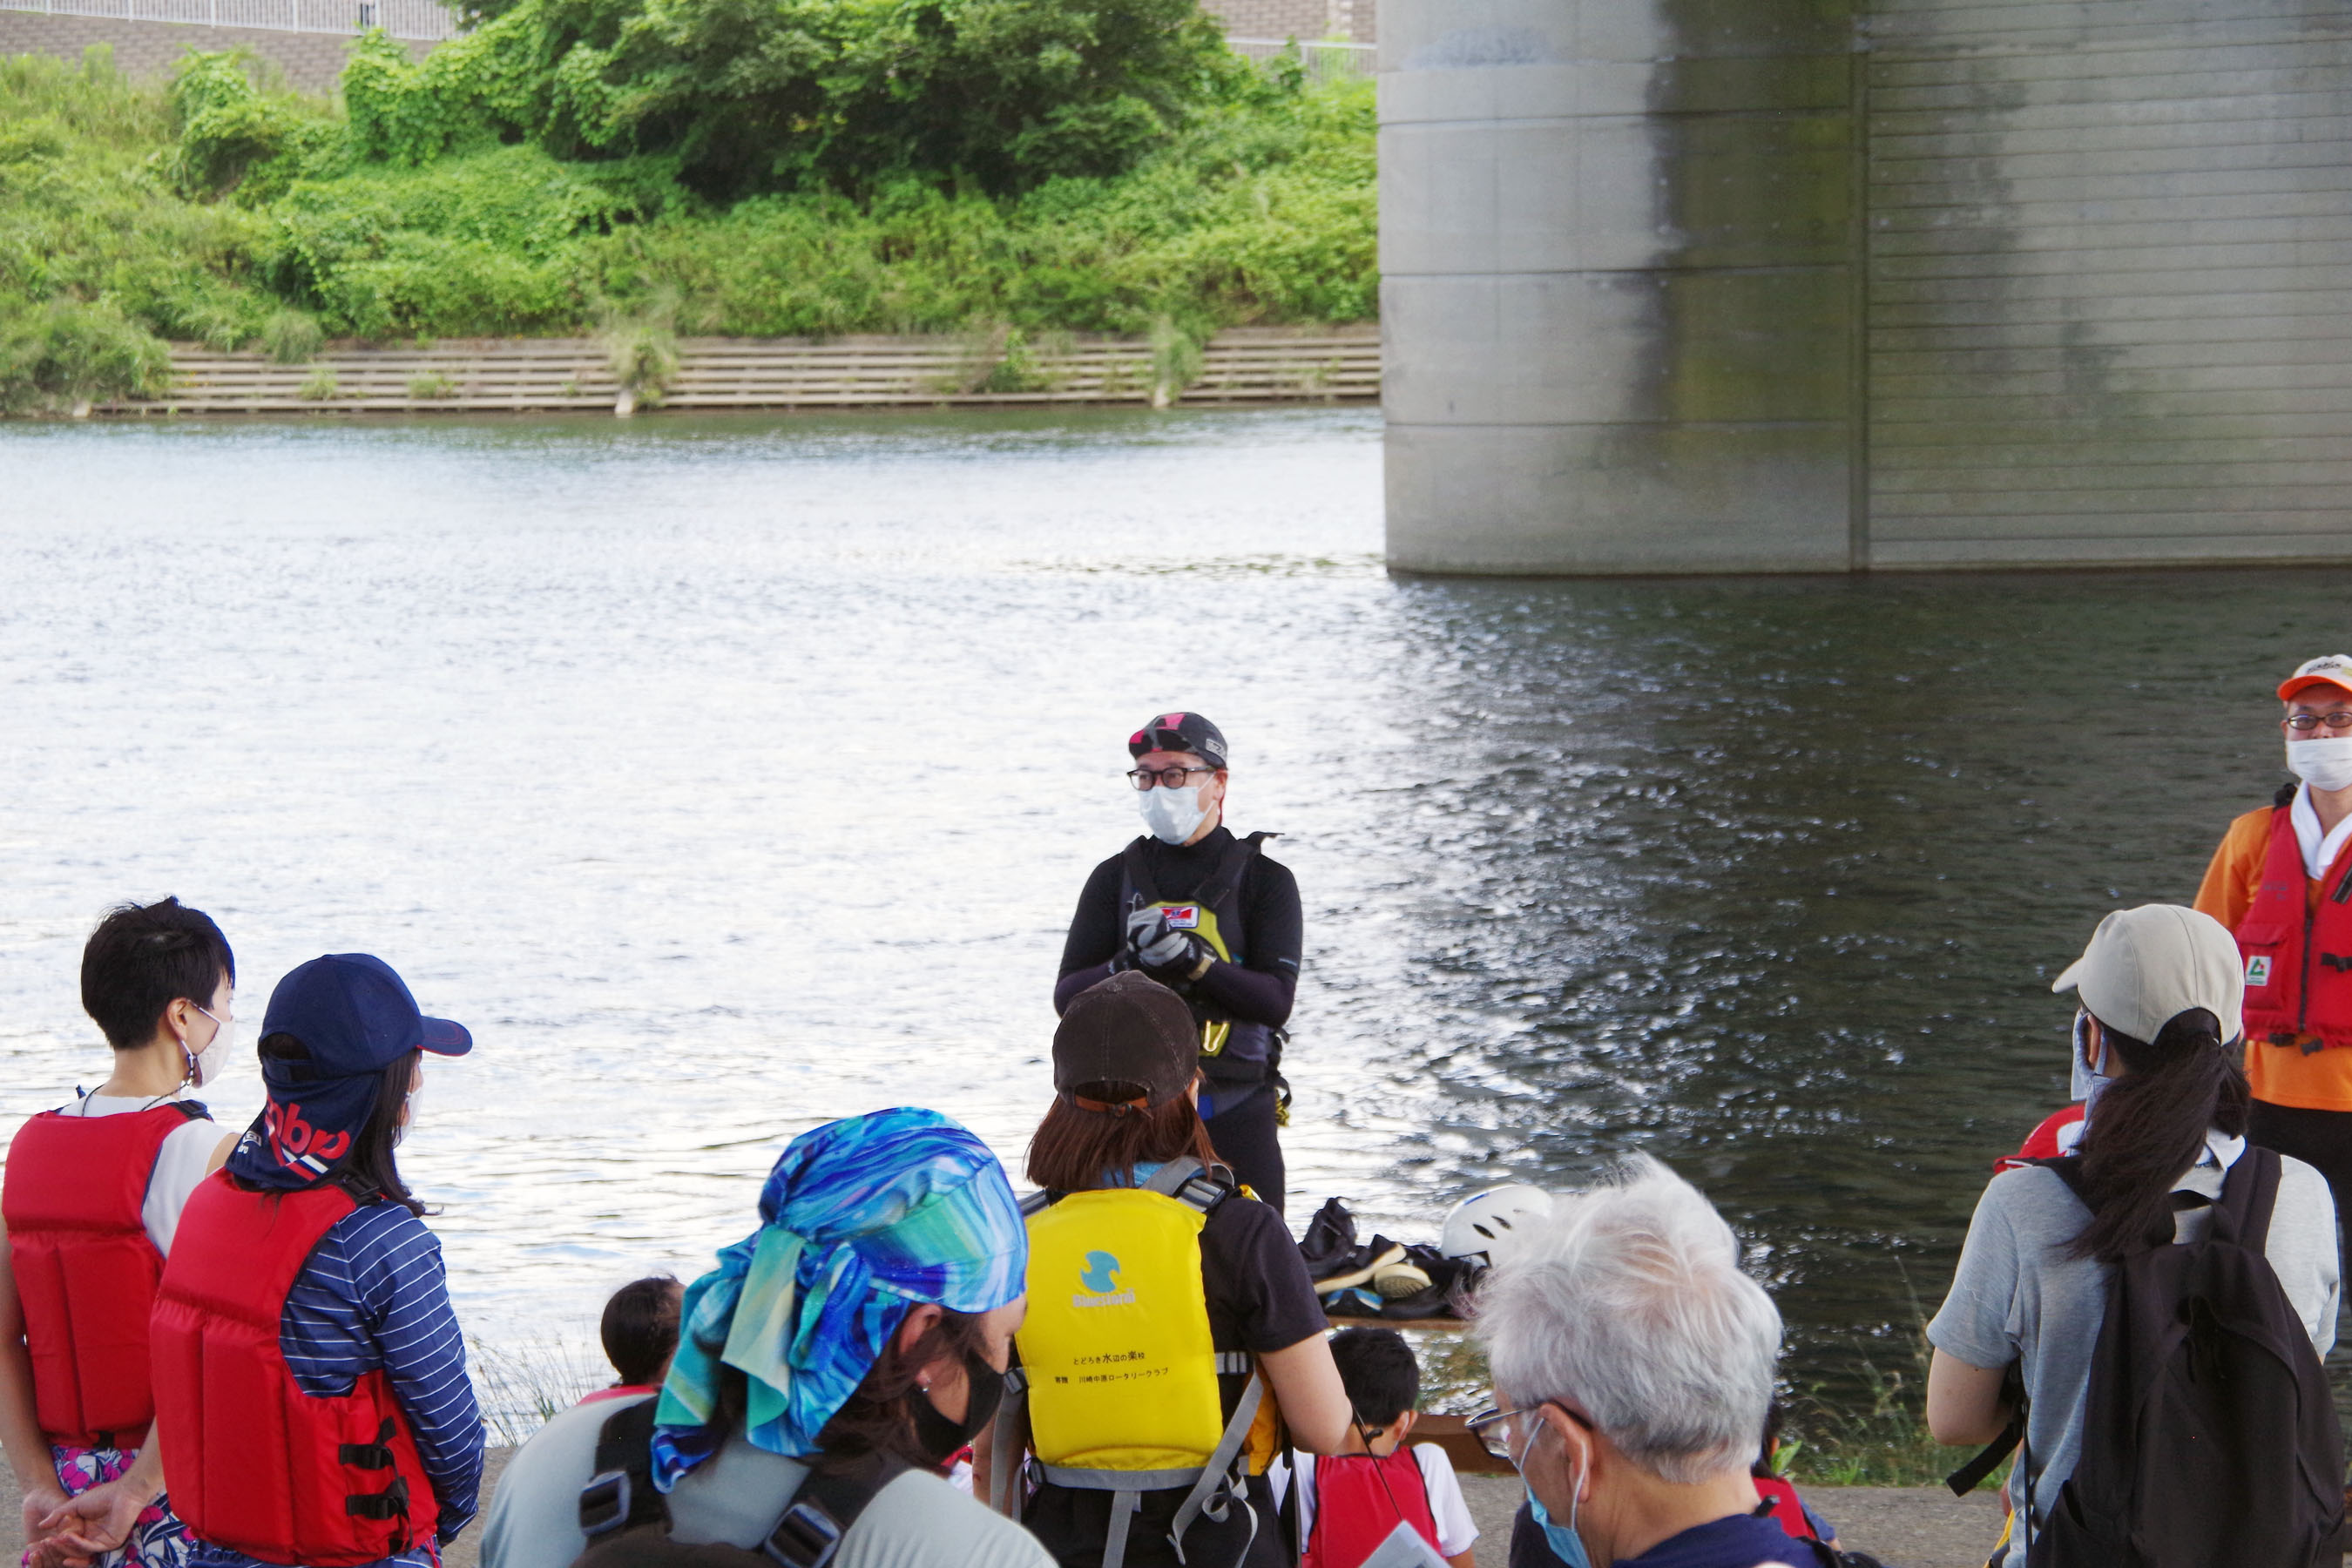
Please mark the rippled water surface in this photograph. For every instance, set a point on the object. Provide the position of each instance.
(727, 776)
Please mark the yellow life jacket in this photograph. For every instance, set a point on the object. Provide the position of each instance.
(1117, 1364)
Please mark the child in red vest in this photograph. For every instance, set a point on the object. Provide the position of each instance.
(1349, 1502)
(91, 1201)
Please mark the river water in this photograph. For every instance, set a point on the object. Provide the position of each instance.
(728, 775)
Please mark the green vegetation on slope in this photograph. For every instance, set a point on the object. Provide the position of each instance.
(474, 195)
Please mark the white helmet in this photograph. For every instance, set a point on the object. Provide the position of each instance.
(1489, 1224)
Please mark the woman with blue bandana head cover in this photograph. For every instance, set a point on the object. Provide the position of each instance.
(827, 1369)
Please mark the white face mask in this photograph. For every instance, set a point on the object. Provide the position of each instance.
(205, 1065)
(1172, 814)
(2322, 765)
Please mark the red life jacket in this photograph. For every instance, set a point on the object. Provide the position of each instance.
(85, 1269)
(1359, 1500)
(1787, 1511)
(259, 1464)
(2298, 959)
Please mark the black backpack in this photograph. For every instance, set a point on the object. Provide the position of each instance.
(627, 1521)
(2209, 1432)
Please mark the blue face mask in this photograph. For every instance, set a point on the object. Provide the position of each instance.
(1565, 1543)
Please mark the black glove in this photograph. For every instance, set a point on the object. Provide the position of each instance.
(1167, 954)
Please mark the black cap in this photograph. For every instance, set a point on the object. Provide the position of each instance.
(1127, 1029)
(1180, 732)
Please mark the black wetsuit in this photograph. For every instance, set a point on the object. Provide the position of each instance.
(1238, 1099)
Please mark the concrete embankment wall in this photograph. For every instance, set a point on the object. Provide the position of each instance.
(1259, 365)
(147, 50)
(1822, 285)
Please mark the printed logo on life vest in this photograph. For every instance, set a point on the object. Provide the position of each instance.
(2258, 969)
(299, 1146)
(1183, 917)
(1100, 1276)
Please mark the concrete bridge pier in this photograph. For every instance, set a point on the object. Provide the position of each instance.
(1837, 285)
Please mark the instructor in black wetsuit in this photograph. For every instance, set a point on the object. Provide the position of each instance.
(1204, 912)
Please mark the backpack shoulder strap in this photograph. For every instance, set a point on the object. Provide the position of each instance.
(2250, 1195)
(827, 1505)
(1231, 870)
(623, 1493)
(1135, 862)
(1188, 1180)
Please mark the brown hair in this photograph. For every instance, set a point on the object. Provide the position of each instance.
(878, 1417)
(2150, 1126)
(639, 1328)
(1076, 1150)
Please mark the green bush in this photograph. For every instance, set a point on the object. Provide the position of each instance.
(575, 163)
(62, 354)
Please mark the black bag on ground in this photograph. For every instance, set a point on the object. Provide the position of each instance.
(2209, 1432)
(627, 1521)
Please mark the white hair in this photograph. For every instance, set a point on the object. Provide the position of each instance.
(1629, 1304)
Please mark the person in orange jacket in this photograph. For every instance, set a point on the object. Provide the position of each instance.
(2282, 882)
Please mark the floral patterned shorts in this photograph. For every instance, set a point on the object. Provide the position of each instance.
(157, 1540)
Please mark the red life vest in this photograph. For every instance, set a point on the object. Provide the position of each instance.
(1787, 1511)
(257, 1464)
(85, 1269)
(1359, 1502)
(2298, 959)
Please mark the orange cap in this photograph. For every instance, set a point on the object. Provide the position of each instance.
(2328, 670)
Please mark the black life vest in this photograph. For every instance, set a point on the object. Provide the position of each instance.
(1231, 1048)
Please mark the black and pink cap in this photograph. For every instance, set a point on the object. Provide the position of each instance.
(1180, 732)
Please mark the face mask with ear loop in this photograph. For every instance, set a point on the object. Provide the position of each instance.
(2086, 1083)
(1174, 816)
(205, 1065)
(1562, 1539)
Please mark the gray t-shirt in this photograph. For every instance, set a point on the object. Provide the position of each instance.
(917, 1521)
(2017, 1296)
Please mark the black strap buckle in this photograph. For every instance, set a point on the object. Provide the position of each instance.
(806, 1537)
(604, 1504)
(376, 1456)
(390, 1503)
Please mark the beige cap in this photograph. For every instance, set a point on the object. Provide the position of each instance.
(2146, 966)
(2328, 670)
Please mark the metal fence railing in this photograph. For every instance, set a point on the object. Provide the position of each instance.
(431, 21)
(1324, 60)
(421, 19)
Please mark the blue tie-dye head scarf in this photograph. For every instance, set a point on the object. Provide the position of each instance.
(860, 1219)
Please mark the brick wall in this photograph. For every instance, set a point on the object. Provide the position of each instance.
(312, 61)
(1306, 19)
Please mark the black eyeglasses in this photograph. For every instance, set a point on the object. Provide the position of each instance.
(2305, 723)
(1167, 778)
(1492, 1430)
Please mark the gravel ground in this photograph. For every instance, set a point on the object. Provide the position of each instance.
(1905, 1527)
(1908, 1527)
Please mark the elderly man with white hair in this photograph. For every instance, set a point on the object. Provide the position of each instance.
(1632, 1365)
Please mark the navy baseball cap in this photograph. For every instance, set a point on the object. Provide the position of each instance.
(1180, 732)
(355, 1016)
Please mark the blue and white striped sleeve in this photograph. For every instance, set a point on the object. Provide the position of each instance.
(396, 1273)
